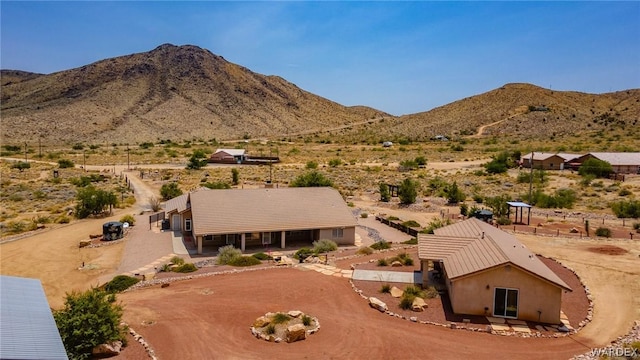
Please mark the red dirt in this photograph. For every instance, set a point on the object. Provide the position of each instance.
(608, 250)
(210, 318)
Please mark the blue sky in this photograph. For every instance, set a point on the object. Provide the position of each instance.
(399, 57)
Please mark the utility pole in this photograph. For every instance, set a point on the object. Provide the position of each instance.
(128, 157)
(84, 160)
(25, 152)
(40, 147)
(530, 176)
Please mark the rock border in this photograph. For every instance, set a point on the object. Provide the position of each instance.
(270, 338)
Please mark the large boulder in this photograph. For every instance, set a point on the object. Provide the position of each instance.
(107, 350)
(295, 333)
(261, 322)
(418, 304)
(378, 304)
(395, 292)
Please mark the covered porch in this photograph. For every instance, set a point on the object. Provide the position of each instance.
(256, 240)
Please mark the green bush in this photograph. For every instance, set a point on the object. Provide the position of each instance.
(65, 163)
(603, 232)
(431, 292)
(364, 250)
(413, 291)
(306, 320)
(311, 165)
(226, 254)
(185, 268)
(364, 215)
(596, 167)
(406, 301)
(170, 190)
(383, 262)
(412, 241)
(411, 223)
(271, 329)
(385, 289)
(380, 245)
(21, 165)
(324, 245)
(436, 224)
(177, 260)
(636, 227)
(244, 261)
(89, 319)
(393, 218)
(385, 195)
(303, 253)
(311, 179)
(503, 220)
(128, 219)
(120, 283)
(280, 318)
(408, 191)
(335, 162)
(624, 192)
(262, 256)
(626, 209)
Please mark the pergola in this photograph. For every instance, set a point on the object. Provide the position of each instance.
(519, 205)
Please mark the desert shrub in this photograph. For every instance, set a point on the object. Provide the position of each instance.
(454, 194)
(636, 227)
(306, 320)
(197, 160)
(385, 289)
(408, 191)
(503, 220)
(226, 254)
(626, 209)
(478, 198)
(385, 195)
(393, 218)
(596, 167)
(93, 201)
(16, 227)
(413, 291)
(280, 318)
(603, 232)
(89, 319)
(311, 179)
(165, 268)
(364, 215)
(324, 245)
(311, 165)
(587, 179)
(128, 219)
(430, 292)
(406, 302)
(412, 241)
(436, 224)
(65, 163)
(303, 253)
(170, 190)
(335, 162)
(270, 329)
(464, 209)
(262, 256)
(411, 223)
(380, 245)
(154, 203)
(408, 165)
(244, 261)
(364, 250)
(120, 283)
(21, 165)
(177, 260)
(185, 268)
(624, 192)
(383, 262)
(63, 219)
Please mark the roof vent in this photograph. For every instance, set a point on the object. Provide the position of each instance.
(483, 234)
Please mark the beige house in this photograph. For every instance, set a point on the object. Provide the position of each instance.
(546, 161)
(262, 217)
(488, 272)
(230, 156)
(621, 162)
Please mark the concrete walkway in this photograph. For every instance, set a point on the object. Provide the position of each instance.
(327, 270)
(178, 244)
(388, 276)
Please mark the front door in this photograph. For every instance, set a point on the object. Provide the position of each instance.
(505, 303)
(176, 223)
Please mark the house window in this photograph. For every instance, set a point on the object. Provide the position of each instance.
(337, 233)
(505, 303)
(266, 238)
(230, 239)
(187, 225)
(551, 166)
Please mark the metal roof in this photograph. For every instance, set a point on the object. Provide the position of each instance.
(27, 327)
(232, 152)
(618, 158)
(178, 203)
(472, 245)
(543, 156)
(518, 204)
(260, 210)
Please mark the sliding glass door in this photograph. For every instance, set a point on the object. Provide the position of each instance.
(505, 303)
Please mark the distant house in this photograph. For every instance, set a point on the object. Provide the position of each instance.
(228, 156)
(621, 162)
(262, 217)
(488, 272)
(547, 161)
(27, 327)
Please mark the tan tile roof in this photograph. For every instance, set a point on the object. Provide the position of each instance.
(473, 245)
(257, 210)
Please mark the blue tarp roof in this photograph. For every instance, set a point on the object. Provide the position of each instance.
(518, 204)
(27, 329)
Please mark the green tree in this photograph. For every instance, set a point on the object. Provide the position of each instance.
(170, 190)
(92, 201)
(21, 165)
(198, 160)
(502, 162)
(311, 179)
(626, 209)
(65, 163)
(498, 205)
(235, 176)
(385, 195)
(89, 319)
(454, 194)
(408, 191)
(595, 167)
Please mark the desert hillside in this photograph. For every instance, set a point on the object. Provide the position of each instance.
(171, 92)
(521, 111)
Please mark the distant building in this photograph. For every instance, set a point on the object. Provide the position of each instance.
(621, 162)
(387, 144)
(228, 156)
(547, 161)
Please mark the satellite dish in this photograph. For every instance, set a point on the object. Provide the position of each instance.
(125, 225)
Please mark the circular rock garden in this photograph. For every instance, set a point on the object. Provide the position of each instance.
(289, 326)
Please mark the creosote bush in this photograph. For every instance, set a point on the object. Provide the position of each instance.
(120, 283)
(226, 254)
(244, 261)
(324, 245)
(603, 231)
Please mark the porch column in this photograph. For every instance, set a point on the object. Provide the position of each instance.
(199, 240)
(282, 240)
(242, 241)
